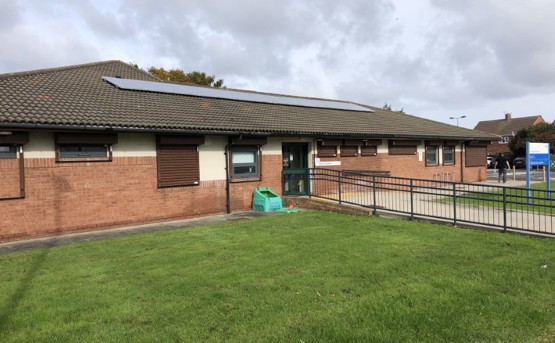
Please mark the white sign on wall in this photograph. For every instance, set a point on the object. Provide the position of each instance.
(320, 163)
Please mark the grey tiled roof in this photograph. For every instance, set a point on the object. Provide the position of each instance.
(508, 127)
(76, 97)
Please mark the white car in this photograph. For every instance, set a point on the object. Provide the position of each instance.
(490, 162)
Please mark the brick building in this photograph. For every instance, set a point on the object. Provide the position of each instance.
(506, 128)
(106, 144)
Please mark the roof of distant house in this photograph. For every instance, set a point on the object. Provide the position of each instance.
(509, 125)
(81, 98)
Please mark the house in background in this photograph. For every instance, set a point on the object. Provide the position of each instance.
(106, 144)
(506, 128)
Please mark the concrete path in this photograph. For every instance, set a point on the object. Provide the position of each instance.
(435, 204)
(54, 241)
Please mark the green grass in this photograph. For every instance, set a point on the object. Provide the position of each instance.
(516, 199)
(310, 277)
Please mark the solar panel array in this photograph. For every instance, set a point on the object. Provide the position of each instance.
(170, 88)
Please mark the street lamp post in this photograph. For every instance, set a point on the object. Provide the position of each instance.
(461, 117)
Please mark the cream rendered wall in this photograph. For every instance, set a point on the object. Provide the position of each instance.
(134, 145)
(273, 146)
(212, 158)
(384, 147)
(41, 145)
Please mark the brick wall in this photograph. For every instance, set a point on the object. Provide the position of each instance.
(9, 178)
(496, 148)
(410, 166)
(66, 197)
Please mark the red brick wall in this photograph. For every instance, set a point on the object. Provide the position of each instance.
(65, 197)
(496, 148)
(410, 166)
(9, 178)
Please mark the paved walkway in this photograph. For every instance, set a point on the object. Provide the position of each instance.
(436, 203)
(54, 241)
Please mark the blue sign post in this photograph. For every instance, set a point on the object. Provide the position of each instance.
(537, 154)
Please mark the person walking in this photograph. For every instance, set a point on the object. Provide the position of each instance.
(502, 164)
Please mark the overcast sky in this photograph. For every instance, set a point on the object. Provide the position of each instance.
(434, 58)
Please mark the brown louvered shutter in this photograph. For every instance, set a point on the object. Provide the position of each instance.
(326, 150)
(178, 165)
(369, 150)
(476, 156)
(349, 151)
(402, 147)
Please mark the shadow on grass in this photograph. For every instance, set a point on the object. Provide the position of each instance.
(24, 285)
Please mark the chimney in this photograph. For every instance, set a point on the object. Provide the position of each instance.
(507, 116)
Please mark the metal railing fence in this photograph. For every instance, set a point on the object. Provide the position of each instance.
(508, 208)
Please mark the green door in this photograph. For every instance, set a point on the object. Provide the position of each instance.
(295, 169)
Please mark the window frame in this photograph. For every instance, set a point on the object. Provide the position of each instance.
(435, 154)
(453, 154)
(256, 152)
(84, 141)
(504, 140)
(102, 153)
(10, 154)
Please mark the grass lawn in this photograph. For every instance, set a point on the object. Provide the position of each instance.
(307, 277)
(516, 199)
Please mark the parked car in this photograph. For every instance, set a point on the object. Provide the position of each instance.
(490, 162)
(519, 162)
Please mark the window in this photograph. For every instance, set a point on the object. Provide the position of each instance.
(448, 154)
(85, 147)
(504, 139)
(349, 151)
(177, 158)
(8, 152)
(77, 151)
(244, 161)
(431, 155)
(368, 151)
(403, 147)
(476, 154)
(327, 148)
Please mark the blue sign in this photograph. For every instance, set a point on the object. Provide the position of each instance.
(537, 154)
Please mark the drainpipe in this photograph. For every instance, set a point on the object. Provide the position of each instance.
(462, 162)
(227, 183)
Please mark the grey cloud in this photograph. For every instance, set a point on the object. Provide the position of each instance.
(260, 35)
(514, 38)
(10, 14)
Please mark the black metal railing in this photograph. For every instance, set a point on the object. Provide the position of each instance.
(508, 208)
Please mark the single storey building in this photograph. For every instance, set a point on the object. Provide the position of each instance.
(107, 144)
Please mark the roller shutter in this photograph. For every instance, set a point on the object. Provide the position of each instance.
(476, 156)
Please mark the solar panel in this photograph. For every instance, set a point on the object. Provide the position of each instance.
(170, 88)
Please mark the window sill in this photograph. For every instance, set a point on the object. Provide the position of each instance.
(245, 179)
(83, 159)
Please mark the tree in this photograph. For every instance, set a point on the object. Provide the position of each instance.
(179, 76)
(387, 107)
(541, 133)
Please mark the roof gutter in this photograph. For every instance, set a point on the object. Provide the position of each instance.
(20, 126)
(26, 126)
